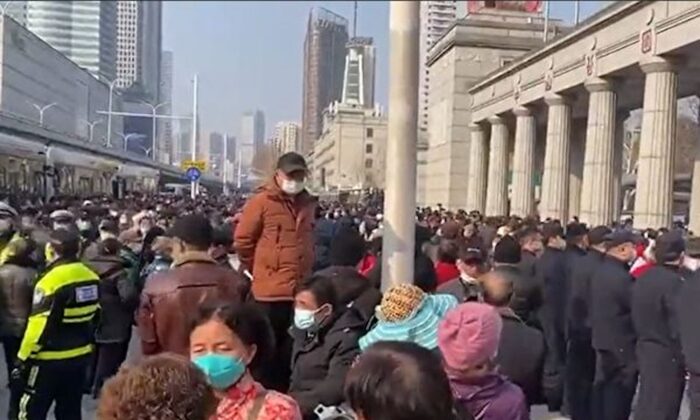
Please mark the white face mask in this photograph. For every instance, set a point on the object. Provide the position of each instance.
(66, 226)
(292, 187)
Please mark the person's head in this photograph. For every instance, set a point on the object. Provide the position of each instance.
(64, 244)
(163, 387)
(576, 235)
(62, 219)
(468, 338)
(621, 245)
(670, 248)
(470, 262)
(7, 219)
(394, 380)
(553, 235)
(347, 247)
(228, 340)
(530, 240)
(597, 237)
(192, 232)
(447, 251)
(108, 247)
(291, 173)
(497, 289)
(20, 252)
(222, 239)
(315, 300)
(469, 230)
(507, 251)
(108, 228)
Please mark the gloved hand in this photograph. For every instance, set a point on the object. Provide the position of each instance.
(18, 376)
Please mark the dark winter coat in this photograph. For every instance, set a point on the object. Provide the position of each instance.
(16, 289)
(611, 310)
(119, 298)
(579, 306)
(522, 364)
(491, 398)
(463, 290)
(688, 311)
(354, 290)
(527, 294)
(321, 360)
(324, 230)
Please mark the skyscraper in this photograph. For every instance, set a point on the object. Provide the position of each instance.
(324, 64)
(84, 31)
(358, 80)
(252, 135)
(139, 39)
(287, 137)
(165, 126)
(436, 17)
(17, 10)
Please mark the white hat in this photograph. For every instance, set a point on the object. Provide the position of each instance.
(62, 214)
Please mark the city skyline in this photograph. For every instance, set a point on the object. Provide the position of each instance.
(265, 71)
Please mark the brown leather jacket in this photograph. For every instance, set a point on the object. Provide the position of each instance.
(274, 236)
(170, 299)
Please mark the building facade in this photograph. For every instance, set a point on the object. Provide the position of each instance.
(474, 47)
(84, 31)
(252, 136)
(139, 40)
(350, 154)
(358, 80)
(324, 64)
(287, 137)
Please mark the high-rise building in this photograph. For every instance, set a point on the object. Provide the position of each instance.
(165, 126)
(252, 135)
(324, 64)
(139, 39)
(84, 31)
(287, 137)
(358, 80)
(215, 154)
(436, 16)
(17, 10)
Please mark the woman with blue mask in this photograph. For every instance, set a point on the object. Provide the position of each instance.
(226, 343)
(326, 336)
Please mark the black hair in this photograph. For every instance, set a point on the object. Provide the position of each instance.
(222, 236)
(395, 380)
(322, 287)
(448, 251)
(65, 243)
(526, 232)
(424, 275)
(247, 321)
(109, 246)
(500, 297)
(347, 247)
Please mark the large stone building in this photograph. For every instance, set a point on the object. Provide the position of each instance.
(571, 97)
(472, 48)
(358, 81)
(252, 136)
(324, 62)
(350, 153)
(287, 137)
(84, 31)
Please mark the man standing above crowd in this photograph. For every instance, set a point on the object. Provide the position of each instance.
(614, 337)
(274, 242)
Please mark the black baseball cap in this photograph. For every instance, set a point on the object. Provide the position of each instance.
(620, 237)
(669, 246)
(598, 235)
(574, 230)
(292, 162)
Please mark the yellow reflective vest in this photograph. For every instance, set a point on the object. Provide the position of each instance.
(6, 251)
(65, 302)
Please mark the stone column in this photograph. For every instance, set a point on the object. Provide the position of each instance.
(653, 203)
(555, 181)
(497, 188)
(523, 184)
(694, 224)
(576, 152)
(398, 247)
(618, 149)
(478, 151)
(597, 196)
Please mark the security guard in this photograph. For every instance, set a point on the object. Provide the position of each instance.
(57, 344)
(8, 230)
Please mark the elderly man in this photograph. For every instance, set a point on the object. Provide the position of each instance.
(274, 242)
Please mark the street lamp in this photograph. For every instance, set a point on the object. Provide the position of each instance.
(109, 112)
(126, 138)
(41, 110)
(154, 110)
(91, 128)
(4, 6)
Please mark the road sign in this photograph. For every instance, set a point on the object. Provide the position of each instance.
(193, 174)
(199, 164)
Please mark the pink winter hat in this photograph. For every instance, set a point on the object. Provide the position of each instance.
(469, 335)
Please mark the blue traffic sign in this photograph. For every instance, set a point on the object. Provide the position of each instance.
(193, 174)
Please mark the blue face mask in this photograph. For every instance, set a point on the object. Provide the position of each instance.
(304, 318)
(221, 370)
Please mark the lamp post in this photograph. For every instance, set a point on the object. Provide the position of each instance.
(91, 128)
(126, 138)
(42, 109)
(154, 110)
(109, 112)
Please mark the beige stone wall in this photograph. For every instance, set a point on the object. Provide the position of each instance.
(351, 151)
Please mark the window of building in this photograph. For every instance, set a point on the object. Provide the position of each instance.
(506, 61)
(368, 148)
(368, 163)
(370, 133)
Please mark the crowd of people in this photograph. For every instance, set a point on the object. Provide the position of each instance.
(270, 306)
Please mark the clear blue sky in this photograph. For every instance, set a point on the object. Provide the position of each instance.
(248, 54)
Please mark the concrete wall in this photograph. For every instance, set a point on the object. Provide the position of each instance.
(32, 72)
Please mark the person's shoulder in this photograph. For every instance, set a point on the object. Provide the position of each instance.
(279, 406)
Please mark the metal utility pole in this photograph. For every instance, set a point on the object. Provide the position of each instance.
(91, 128)
(239, 172)
(400, 190)
(109, 112)
(225, 171)
(42, 109)
(193, 186)
(545, 33)
(154, 117)
(354, 20)
(577, 12)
